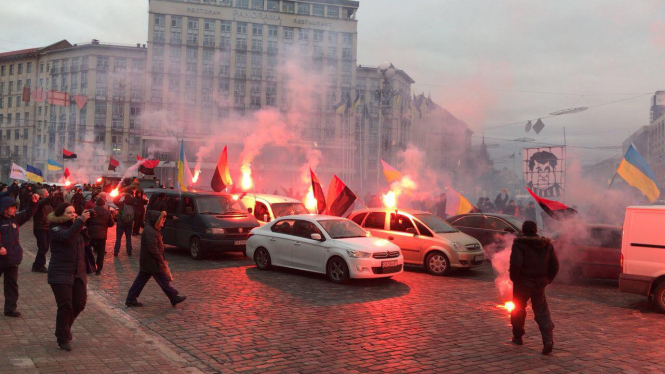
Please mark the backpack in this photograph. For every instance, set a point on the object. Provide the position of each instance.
(127, 214)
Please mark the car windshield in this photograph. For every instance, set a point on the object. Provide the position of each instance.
(219, 205)
(342, 228)
(288, 209)
(435, 223)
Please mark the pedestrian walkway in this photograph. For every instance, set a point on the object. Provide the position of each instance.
(106, 340)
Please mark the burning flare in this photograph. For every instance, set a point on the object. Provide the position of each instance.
(246, 182)
(509, 306)
(68, 183)
(99, 180)
(195, 178)
(390, 199)
(114, 193)
(310, 201)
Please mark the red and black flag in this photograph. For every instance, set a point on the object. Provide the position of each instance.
(221, 178)
(113, 163)
(67, 154)
(66, 173)
(554, 209)
(147, 167)
(318, 193)
(340, 197)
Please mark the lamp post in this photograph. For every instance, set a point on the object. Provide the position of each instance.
(384, 94)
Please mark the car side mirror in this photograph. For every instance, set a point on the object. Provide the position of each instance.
(316, 236)
(509, 229)
(250, 210)
(411, 230)
(189, 211)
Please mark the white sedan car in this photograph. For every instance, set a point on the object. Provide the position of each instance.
(329, 245)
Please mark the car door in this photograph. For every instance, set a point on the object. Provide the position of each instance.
(403, 234)
(308, 254)
(280, 242)
(601, 257)
(375, 223)
(496, 230)
(169, 232)
(186, 223)
(472, 225)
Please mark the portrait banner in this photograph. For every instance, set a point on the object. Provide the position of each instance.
(545, 170)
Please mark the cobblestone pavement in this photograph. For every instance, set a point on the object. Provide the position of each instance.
(240, 319)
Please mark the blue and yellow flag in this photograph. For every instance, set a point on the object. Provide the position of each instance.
(636, 172)
(34, 174)
(53, 165)
(184, 174)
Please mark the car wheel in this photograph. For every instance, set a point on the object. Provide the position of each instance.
(262, 259)
(195, 249)
(659, 297)
(337, 270)
(437, 263)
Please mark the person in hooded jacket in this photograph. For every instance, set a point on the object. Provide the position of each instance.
(533, 265)
(123, 228)
(152, 263)
(139, 212)
(98, 227)
(78, 201)
(11, 252)
(67, 269)
(40, 228)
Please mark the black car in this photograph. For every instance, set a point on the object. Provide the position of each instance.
(207, 221)
(487, 228)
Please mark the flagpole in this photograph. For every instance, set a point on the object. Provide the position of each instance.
(606, 191)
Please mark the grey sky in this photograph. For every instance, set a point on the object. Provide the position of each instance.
(473, 56)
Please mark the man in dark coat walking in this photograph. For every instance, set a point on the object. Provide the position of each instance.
(125, 204)
(533, 265)
(40, 228)
(501, 201)
(11, 252)
(152, 263)
(98, 226)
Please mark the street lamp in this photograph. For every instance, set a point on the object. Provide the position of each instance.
(384, 94)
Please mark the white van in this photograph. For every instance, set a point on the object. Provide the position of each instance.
(643, 253)
(268, 207)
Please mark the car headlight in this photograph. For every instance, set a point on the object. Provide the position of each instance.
(357, 254)
(215, 230)
(457, 247)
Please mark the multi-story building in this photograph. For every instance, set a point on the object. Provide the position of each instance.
(19, 69)
(214, 60)
(108, 125)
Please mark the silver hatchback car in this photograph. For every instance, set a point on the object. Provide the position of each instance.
(424, 238)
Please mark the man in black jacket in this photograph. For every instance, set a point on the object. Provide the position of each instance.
(152, 263)
(11, 252)
(40, 228)
(98, 225)
(533, 265)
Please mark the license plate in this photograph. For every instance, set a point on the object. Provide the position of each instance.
(240, 242)
(479, 258)
(386, 264)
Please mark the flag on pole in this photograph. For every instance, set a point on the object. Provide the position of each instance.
(356, 102)
(456, 203)
(52, 165)
(635, 170)
(554, 209)
(33, 174)
(67, 154)
(26, 94)
(184, 174)
(318, 193)
(18, 172)
(221, 178)
(390, 172)
(113, 163)
(147, 166)
(340, 197)
(66, 173)
(341, 107)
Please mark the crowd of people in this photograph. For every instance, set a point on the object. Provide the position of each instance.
(73, 223)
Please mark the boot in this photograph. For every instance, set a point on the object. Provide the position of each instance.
(177, 300)
(547, 348)
(131, 303)
(517, 340)
(13, 313)
(65, 346)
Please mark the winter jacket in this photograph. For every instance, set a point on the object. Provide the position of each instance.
(57, 198)
(510, 210)
(90, 204)
(67, 251)
(501, 202)
(12, 191)
(139, 206)
(77, 202)
(533, 259)
(152, 247)
(98, 226)
(40, 220)
(9, 233)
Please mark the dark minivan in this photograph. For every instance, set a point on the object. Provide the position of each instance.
(207, 221)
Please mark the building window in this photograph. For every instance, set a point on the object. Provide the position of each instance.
(239, 94)
(176, 30)
(271, 94)
(174, 59)
(223, 90)
(225, 2)
(257, 66)
(225, 35)
(20, 68)
(241, 65)
(273, 5)
(206, 91)
(192, 60)
(192, 31)
(333, 12)
(287, 34)
(242, 4)
(190, 89)
(28, 67)
(288, 7)
(303, 36)
(159, 29)
(2, 70)
(209, 33)
(347, 53)
(102, 63)
(11, 69)
(257, 4)
(225, 64)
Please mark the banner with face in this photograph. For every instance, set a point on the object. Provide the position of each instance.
(544, 170)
